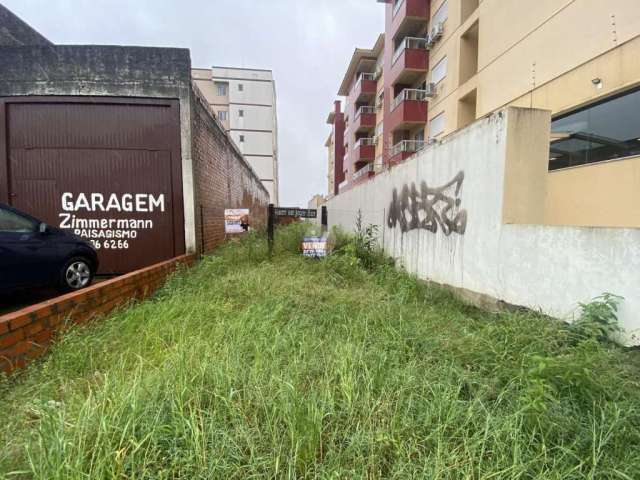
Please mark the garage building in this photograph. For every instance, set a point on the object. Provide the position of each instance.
(117, 144)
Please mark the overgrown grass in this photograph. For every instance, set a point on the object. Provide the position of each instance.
(297, 368)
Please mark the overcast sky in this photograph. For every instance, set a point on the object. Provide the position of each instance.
(307, 44)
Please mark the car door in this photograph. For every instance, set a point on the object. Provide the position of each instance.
(27, 258)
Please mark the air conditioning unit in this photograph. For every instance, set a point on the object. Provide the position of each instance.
(435, 34)
(378, 73)
(432, 141)
(430, 90)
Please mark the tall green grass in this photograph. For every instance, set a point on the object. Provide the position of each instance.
(296, 368)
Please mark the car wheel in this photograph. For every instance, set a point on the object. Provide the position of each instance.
(76, 274)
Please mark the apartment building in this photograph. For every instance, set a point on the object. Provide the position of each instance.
(445, 63)
(244, 100)
(362, 87)
(335, 149)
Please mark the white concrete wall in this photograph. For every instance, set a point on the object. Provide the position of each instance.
(549, 269)
(254, 118)
(260, 93)
(249, 73)
(255, 143)
(263, 166)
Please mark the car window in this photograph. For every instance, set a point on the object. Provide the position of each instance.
(10, 222)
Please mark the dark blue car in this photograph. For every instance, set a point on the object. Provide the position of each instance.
(34, 254)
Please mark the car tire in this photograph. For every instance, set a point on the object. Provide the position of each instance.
(76, 274)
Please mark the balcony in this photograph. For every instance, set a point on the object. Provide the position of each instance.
(364, 151)
(408, 110)
(404, 149)
(409, 16)
(410, 61)
(363, 174)
(365, 88)
(365, 119)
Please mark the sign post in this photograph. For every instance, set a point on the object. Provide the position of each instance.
(270, 222)
(324, 218)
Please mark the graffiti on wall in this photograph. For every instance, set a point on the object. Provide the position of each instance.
(430, 208)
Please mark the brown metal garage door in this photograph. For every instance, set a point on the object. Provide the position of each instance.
(110, 172)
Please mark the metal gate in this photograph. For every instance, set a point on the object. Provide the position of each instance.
(107, 169)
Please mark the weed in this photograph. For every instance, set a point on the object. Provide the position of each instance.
(361, 248)
(599, 319)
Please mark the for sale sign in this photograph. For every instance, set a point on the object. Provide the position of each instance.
(236, 220)
(315, 247)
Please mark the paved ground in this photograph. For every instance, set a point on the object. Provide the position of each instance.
(23, 299)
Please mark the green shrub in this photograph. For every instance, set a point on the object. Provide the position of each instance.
(361, 248)
(598, 319)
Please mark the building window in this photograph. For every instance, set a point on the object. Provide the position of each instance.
(441, 14)
(439, 71)
(436, 127)
(222, 115)
(241, 113)
(240, 87)
(396, 6)
(603, 131)
(241, 138)
(469, 52)
(379, 129)
(222, 89)
(380, 100)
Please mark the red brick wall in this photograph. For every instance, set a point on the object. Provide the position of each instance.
(27, 333)
(223, 177)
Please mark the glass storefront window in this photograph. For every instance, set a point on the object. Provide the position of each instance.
(604, 131)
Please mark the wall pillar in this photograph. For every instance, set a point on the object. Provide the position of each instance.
(526, 166)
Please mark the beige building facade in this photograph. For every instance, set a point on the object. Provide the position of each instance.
(578, 59)
(244, 100)
(316, 201)
(572, 57)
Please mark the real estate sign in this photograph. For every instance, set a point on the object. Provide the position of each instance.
(315, 247)
(236, 220)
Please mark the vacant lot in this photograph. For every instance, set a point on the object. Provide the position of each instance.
(294, 368)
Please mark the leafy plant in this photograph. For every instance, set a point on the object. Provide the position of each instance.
(599, 319)
(362, 248)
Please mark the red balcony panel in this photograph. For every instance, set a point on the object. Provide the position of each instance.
(364, 154)
(409, 16)
(364, 90)
(408, 114)
(364, 121)
(411, 64)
